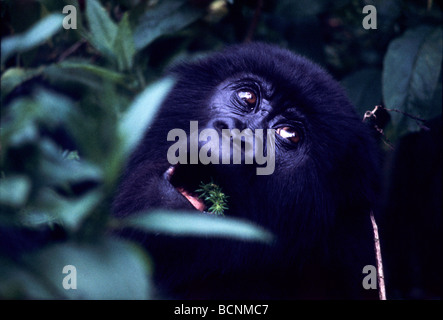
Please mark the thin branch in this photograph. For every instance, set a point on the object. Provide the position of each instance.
(377, 247)
(380, 275)
(418, 120)
(254, 23)
(71, 50)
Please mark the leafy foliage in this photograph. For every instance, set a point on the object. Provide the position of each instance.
(75, 102)
(67, 128)
(198, 225)
(212, 194)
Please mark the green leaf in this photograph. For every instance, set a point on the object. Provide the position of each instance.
(86, 73)
(94, 69)
(102, 29)
(14, 77)
(427, 69)
(141, 113)
(17, 282)
(24, 115)
(51, 207)
(20, 130)
(109, 269)
(57, 171)
(195, 224)
(14, 190)
(34, 37)
(411, 71)
(124, 46)
(55, 108)
(168, 16)
(72, 213)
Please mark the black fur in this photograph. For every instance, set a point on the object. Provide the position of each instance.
(317, 202)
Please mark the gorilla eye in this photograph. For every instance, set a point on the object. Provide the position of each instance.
(248, 96)
(288, 133)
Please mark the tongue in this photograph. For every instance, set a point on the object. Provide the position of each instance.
(195, 201)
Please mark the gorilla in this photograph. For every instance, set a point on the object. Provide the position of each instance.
(316, 202)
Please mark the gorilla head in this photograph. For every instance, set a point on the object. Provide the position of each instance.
(316, 200)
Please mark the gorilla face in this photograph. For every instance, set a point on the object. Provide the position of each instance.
(316, 200)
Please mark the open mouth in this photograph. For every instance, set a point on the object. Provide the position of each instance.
(191, 181)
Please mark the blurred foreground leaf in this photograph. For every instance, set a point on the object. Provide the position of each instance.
(37, 35)
(192, 224)
(14, 190)
(141, 113)
(109, 269)
(25, 115)
(51, 207)
(14, 77)
(17, 282)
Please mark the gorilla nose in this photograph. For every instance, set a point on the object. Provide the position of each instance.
(226, 123)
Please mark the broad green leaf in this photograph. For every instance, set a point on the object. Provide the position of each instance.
(124, 46)
(86, 73)
(95, 70)
(141, 112)
(108, 269)
(51, 207)
(14, 190)
(34, 37)
(427, 70)
(72, 213)
(14, 77)
(411, 71)
(46, 106)
(102, 29)
(168, 16)
(54, 108)
(192, 224)
(19, 132)
(18, 282)
(56, 170)
(35, 217)
(25, 114)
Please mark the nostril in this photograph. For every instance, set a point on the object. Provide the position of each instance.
(220, 125)
(226, 123)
